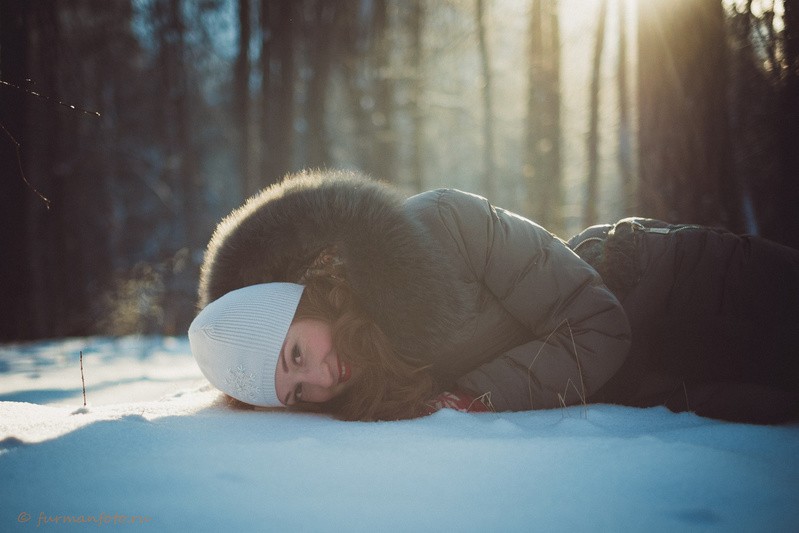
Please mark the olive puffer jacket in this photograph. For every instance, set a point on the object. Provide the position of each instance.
(494, 303)
(541, 329)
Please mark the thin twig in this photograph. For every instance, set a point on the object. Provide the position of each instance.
(83, 381)
(485, 399)
(21, 170)
(579, 370)
(44, 97)
(18, 146)
(685, 391)
(562, 398)
(530, 366)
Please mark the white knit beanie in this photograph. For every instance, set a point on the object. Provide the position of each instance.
(237, 339)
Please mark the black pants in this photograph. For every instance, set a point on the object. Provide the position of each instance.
(714, 318)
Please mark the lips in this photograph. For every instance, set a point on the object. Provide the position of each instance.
(344, 371)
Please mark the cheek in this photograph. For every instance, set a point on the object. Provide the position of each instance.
(320, 336)
(281, 384)
(316, 394)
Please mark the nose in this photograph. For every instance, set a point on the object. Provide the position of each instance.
(322, 375)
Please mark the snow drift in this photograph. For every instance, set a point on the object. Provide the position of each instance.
(157, 449)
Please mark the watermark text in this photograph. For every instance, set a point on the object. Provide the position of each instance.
(102, 519)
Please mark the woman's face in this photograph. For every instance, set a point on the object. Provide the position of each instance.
(309, 369)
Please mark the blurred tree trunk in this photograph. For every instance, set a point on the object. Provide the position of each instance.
(15, 283)
(362, 37)
(277, 21)
(352, 43)
(70, 259)
(746, 81)
(384, 159)
(281, 130)
(488, 117)
(188, 171)
(592, 180)
(241, 99)
(542, 168)
(165, 313)
(786, 223)
(417, 114)
(624, 142)
(265, 148)
(321, 35)
(173, 129)
(685, 155)
(57, 285)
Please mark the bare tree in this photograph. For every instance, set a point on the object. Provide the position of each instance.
(174, 125)
(488, 116)
(15, 284)
(241, 99)
(364, 44)
(592, 180)
(764, 111)
(787, 230)
(684, 144)
(382, 117)
(542, 168)
(265, 17)
(417, 114)
(624, 150)
(278, 21)
(48, 228)
(354, 45)
(321, 31)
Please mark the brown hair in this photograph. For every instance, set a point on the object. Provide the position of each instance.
(387, 387)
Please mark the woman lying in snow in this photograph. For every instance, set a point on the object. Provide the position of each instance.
(329, 292)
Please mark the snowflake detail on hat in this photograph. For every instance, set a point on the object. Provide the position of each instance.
(242, 382)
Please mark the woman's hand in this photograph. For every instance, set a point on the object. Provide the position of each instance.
(459, 400)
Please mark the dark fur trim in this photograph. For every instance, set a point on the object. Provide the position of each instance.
(390, 262)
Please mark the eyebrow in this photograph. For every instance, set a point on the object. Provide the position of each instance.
(283, 359)
(286, 370)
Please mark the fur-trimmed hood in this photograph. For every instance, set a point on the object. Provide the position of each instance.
(393, 266)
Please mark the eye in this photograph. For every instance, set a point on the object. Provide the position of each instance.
(296, 355)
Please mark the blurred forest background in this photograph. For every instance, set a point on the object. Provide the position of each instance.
(570, 112)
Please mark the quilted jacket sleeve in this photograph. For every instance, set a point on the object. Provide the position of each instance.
(580, 331)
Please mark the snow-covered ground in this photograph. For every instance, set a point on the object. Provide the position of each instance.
(156, 450)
